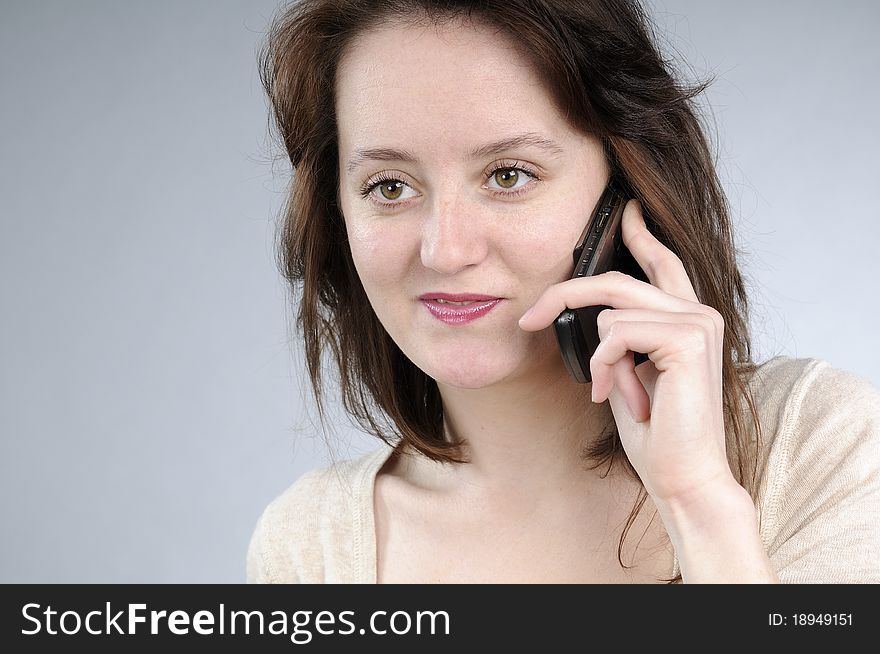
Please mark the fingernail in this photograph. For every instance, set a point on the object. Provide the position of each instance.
(526, 315)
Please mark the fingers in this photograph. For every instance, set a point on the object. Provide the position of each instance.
(670, 288)
(698, 328)
(661, 265)
(613, 289)
(664, 342)
(630, 388)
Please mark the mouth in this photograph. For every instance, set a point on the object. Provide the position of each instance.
(457, 298)
(458, 308)
(458, 304)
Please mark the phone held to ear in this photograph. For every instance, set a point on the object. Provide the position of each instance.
(599, 249)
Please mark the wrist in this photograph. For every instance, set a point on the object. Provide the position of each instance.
(721, 498)
(716, 536)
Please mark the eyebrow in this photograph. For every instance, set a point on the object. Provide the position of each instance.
(529, 139)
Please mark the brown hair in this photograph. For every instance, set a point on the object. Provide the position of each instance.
(603, 69)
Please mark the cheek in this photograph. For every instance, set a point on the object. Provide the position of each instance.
(544, 246)
(382, 254)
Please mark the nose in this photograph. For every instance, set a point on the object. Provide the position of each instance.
(452, 238)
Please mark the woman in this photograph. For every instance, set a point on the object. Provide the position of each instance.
(447, 157)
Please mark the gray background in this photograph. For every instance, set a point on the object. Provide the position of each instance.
(150, 404)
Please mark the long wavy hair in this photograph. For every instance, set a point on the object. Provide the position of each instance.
(601, 64)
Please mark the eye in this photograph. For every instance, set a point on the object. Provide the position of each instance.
(511, 177)
(391, 190)
(506, 177)
(385, 189)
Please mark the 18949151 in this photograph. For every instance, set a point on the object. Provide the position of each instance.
(810, 619)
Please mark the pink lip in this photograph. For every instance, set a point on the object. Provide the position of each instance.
(457, 297)
(452, 314)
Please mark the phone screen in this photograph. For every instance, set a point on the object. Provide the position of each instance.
(599, 249)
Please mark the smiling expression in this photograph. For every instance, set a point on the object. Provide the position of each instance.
(464, 191)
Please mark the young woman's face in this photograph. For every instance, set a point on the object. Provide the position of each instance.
(459, 176)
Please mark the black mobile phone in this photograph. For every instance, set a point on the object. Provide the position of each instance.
(599, 249)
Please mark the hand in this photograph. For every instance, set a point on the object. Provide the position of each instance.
(669, 409)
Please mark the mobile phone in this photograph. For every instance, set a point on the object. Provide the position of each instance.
(599, 249)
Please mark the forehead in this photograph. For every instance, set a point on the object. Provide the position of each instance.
(429, 84)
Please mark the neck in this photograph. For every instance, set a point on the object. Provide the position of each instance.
(525, 435)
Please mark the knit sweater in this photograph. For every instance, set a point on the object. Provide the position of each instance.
(818, 498)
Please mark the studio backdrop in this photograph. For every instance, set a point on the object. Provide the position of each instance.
(151, 399)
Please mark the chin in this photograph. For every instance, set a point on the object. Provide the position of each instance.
(480, 362)
(469, 377)
(473, 370)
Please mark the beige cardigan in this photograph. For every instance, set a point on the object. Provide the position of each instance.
(818, 499)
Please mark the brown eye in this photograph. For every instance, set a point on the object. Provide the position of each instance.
(507, 177)
(391, 190)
